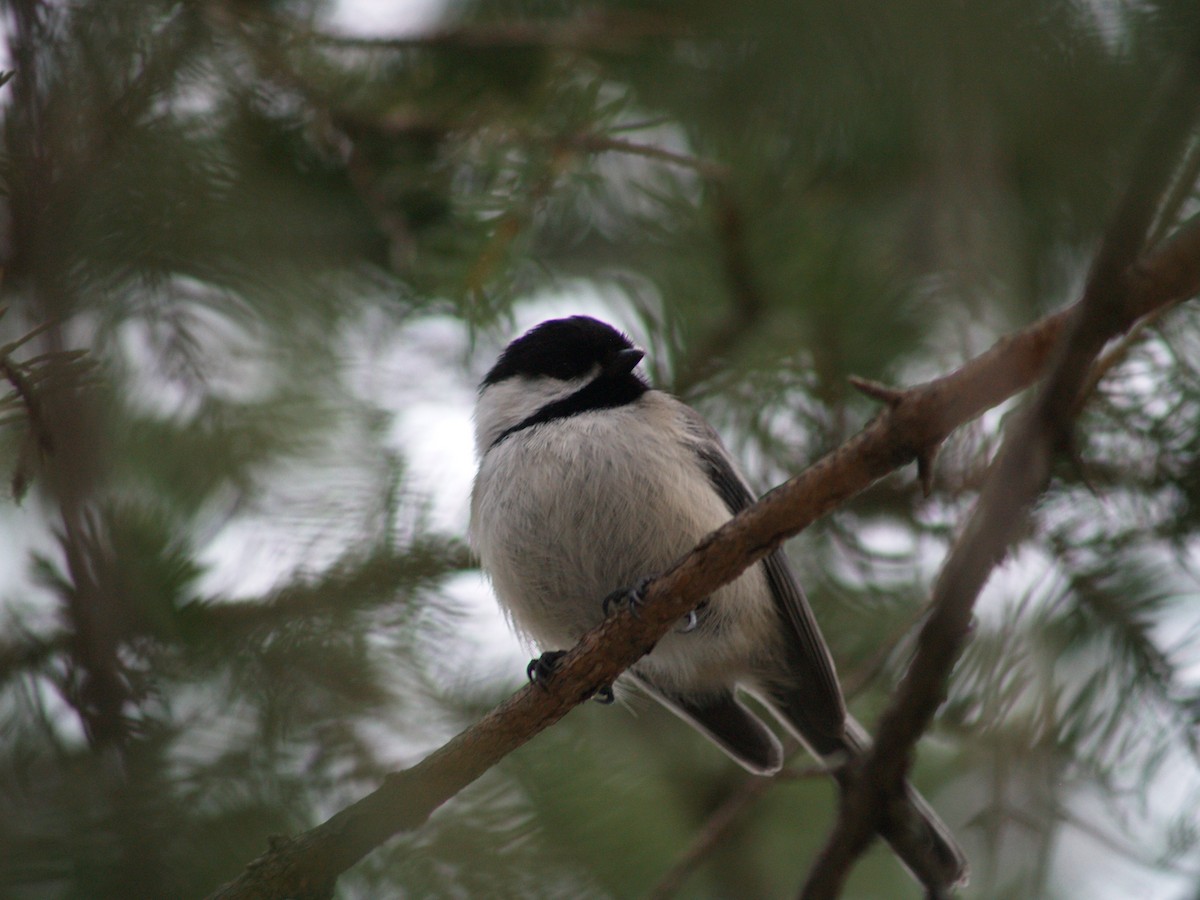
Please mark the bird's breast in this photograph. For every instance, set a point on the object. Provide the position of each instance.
(566, 512)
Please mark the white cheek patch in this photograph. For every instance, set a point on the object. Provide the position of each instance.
(512, 401)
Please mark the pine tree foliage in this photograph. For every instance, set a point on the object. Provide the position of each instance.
(221, 223)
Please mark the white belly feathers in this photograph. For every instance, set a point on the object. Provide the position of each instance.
(597, 522)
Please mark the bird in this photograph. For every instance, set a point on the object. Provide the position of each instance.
(589, 482)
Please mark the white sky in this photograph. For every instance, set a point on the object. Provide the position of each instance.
(386, 18)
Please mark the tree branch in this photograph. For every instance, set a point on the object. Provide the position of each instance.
(308, 866)
(1109, 306)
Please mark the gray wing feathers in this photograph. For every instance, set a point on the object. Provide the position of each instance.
(810, 701)
(813, 700)
(816, 708)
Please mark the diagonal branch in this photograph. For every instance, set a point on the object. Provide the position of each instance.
(309, 865)
(1019, 475)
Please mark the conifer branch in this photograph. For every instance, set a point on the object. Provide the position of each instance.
(308, 866)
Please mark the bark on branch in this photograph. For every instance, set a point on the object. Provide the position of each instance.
(913, 424)
(1113, 299)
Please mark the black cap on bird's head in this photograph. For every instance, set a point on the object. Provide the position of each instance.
(566, 349)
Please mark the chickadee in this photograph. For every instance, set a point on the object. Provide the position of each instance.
(590, 481)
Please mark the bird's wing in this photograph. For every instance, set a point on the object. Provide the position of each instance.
(813, 703)
(726, 722)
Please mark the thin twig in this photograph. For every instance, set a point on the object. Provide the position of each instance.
(1018, 476)
(31, 403)
(600, 143)
(1184, 189)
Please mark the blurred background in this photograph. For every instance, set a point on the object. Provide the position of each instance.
(256, 256)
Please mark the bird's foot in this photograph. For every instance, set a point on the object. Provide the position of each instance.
(540, 669)
(692, 619)
(633, 597)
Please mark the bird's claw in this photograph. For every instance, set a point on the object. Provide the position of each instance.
(540, 669)
(632, 597)
(692, 620)
(543, 667)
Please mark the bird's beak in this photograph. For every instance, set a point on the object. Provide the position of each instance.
(624, 361)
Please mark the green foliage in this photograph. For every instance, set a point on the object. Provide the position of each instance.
(221, 221)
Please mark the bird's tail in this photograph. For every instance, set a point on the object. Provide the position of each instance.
(919, 838)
